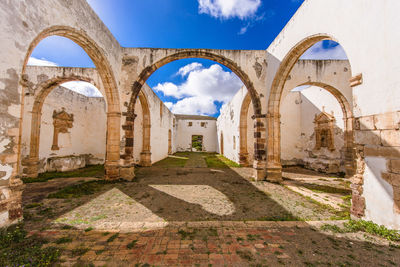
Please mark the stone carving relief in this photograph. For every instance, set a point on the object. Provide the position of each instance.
(324, 131)
(62, 121)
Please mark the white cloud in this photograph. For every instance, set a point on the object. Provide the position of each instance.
(318, 52)
(169, 105)
(188, 68)
(229, 8)
(202, 87)
(198, 105)
(32, 61)
(83, 88)
(169, 89)
(244, 29)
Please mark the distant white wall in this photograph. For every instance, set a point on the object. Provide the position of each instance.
(86, 137)
(184, 133)
(228, 124)
(162, 120)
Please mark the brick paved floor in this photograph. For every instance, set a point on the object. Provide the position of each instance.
(197, 216)
(224, 244)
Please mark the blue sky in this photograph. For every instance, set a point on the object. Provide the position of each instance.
(185, 85)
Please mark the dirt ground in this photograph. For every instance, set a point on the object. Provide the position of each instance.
(188, 214)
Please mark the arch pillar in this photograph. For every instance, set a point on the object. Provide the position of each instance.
(274, 165)
(32, 163)
(260, 158)
(145, 158)
(112, 166)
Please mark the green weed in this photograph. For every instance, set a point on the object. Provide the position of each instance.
(89, 171)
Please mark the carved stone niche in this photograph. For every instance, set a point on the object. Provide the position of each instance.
(324, 131)
(62, 121)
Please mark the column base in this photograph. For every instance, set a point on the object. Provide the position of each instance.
(259, 174)
(274, 175)
(145, 159)
(244, 159)
(259, 170)
(112, 171)
(127, 173)
(11, 205)
(31, 168)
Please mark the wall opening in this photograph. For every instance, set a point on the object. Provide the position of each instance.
(197, 143)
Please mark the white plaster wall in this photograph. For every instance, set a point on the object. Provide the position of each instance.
(184, 134)
(291, 130)
(228, 124)
(161, 122)
(378, 194)
(87, 136)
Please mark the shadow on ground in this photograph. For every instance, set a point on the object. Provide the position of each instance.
(206, 212)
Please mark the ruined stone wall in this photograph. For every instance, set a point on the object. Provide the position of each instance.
(205, 127)
(378, 137)
(22, 23)
(373, 55)
(298, 142)
(84, 144)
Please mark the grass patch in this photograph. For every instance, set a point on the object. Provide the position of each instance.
(112, 238)
(88, 229)
(277, 218)
(317, 188)
(79, 190)
(16, 249)
(364, 226)
(176, 160)
(79, 251)
(245, 254)
(343, 214)
(99, 252)
(89, 171)
(199, 233)
(187, 235)
(63, 240)
(218, 161)
(33, 205)
(131, 244)
(253, 237)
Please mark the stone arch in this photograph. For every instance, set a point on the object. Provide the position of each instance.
(44, 90)
(145, 155)
(274, 167)
(244, 112)
(149, 70)
(106, 74)
(259, 125)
